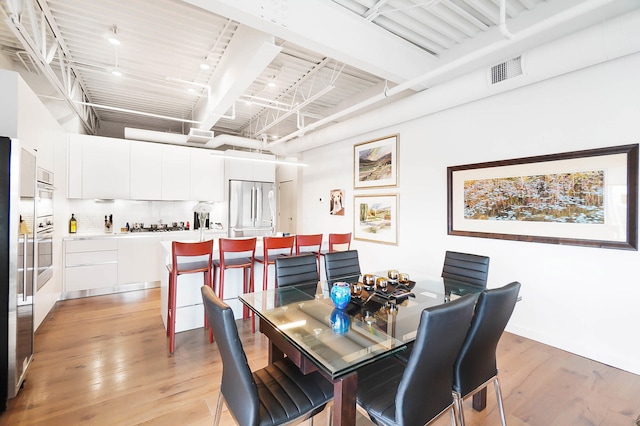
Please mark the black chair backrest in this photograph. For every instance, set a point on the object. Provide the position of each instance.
(293, 270)
(341, 263)
(237, 385)
(476, 362)
(467, 268)
(425, 388)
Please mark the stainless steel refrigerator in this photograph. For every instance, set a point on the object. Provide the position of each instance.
(17, 265)
(251, 208)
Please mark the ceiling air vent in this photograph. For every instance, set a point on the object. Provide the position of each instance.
(505, 70)
(199, 136)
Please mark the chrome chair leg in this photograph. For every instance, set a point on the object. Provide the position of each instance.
(216, 420)
(457, 404)
(496, 385)
(453, 415)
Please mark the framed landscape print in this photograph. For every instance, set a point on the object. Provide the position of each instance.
(375, 163)
(586, 198)
(376, 218)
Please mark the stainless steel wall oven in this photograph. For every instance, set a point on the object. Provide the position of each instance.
(44, 227)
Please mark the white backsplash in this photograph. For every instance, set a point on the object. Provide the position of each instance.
(90, 213)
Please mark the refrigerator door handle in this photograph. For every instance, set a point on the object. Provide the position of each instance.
(253, 205)
(24, 268)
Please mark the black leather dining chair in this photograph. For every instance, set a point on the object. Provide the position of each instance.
(476, 364)
(277, 394)
(466, 268)
(294, 270)
(393, 393)
(339, 264)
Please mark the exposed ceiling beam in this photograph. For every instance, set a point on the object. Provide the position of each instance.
(327, 28)
(248, 54)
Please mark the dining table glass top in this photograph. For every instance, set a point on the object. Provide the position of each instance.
(375, 324)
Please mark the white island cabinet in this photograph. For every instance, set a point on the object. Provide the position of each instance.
(190, 310)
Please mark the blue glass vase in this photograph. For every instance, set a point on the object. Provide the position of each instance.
(340, 321)
(341, 294)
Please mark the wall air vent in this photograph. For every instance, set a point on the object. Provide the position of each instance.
(505, 70)
(199, 136)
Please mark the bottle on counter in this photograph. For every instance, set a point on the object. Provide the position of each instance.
(73, 224)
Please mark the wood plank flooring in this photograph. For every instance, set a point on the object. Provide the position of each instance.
(104, 361)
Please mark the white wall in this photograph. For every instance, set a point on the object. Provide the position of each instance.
(584, 300)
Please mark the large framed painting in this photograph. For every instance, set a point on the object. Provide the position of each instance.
(586, 198)
(375, 163)
(376, 218)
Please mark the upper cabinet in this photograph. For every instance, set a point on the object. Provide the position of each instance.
(146, 171)
(113, 168)
(245, 167)
(175, 173)
(104, 169)
(207, 176)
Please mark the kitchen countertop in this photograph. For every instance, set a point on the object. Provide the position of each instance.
(100, 235)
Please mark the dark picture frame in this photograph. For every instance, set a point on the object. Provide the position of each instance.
(582, 198)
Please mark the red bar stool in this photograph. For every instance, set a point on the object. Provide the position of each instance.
(339, 239)
(177, 268)
(238, 246)
(310, 240)
(273, 247)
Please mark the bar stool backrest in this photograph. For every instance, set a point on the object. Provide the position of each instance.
(339, 240)
(309, 240)
(181, 250)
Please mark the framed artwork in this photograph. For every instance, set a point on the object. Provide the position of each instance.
(336, 202)
(375, 163)
(376, 218)
(585, 198)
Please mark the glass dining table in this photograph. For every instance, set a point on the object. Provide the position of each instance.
(303, 323)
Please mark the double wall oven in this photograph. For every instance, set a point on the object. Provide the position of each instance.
(44, 226)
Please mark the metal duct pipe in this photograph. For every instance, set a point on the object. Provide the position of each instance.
(236, 141)
(154, 136)
(571, 53)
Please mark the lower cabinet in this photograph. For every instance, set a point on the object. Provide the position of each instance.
(139, 259)
(102, 265)
(89, 264)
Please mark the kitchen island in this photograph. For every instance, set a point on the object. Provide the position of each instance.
(190, 311)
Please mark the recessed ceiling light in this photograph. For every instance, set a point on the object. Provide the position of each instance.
(271, 84)
(204, 66)
(116, 72)
(247, 102)
(191, 90)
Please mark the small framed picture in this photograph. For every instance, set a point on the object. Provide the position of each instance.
(375, 163)
(336, 202)
(376, 218)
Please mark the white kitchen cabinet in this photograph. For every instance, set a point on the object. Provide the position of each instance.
(139, 259)
(74, 166)
(207, 176)
(104, 167)
(146, 171)
(175, 173)
(245, 169)
(89, 264)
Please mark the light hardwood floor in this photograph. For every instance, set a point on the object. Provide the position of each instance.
(104, 361)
